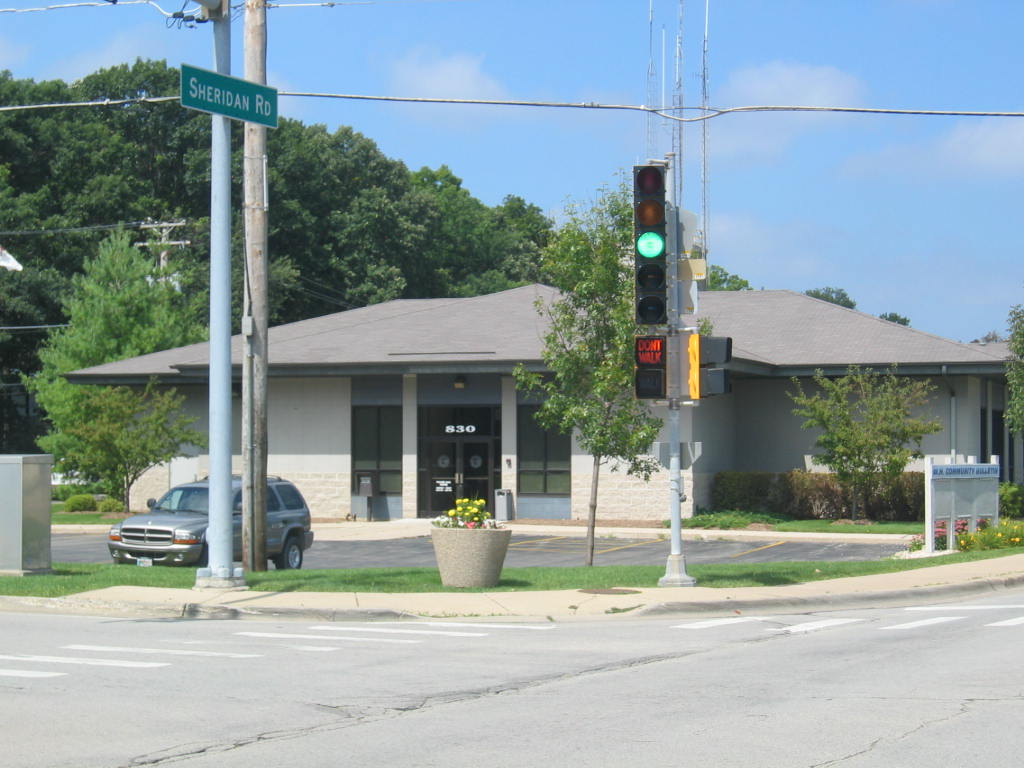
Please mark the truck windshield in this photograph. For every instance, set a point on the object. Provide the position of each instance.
(185, 500)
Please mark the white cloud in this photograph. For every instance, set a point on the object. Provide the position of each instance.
(979, 147)
(779, 84)
(122, 48)
(428, 73)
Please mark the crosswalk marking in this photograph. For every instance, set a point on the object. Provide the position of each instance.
(385, 630)
(170, 651)
(924, 622)
(1008, 623)
(292, 636)
(709, 623)
(87, 662)
(811, 626)
(531, 627)
(29, 673)
(964, 608)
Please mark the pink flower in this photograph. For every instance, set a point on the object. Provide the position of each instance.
(471, 525)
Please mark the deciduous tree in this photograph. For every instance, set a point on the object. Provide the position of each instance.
(589, 346)
(868, 430)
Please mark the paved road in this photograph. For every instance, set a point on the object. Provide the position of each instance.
(529, 551)
(916, 687)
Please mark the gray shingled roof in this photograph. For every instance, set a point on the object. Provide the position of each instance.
(775, 333)
(789, 330)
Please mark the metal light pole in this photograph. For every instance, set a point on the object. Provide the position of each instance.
(220, 572)
(675, 568)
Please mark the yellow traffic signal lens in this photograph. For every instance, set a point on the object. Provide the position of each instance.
(650, 213)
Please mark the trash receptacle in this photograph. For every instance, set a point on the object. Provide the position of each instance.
(504, 505)
(25, 515)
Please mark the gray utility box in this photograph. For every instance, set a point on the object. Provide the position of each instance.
(504, 505)
(25, 513)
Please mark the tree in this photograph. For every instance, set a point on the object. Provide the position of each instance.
(892, 317)
(867, 431)
(589, 345)
(721, 280)
(1015, 371)
(833, 295)
(121, 306)
(121, 432)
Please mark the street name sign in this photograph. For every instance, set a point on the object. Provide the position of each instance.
(232, 97)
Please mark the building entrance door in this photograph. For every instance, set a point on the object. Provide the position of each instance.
(457, 458)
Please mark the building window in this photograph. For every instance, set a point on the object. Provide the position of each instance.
(543, 456)
(377, 447)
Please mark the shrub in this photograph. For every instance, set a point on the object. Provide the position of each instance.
(65, 491)
(816, 496)
(110, 506)
(747, 491)
(1009, 533)
(80, 502)
(1011, 499)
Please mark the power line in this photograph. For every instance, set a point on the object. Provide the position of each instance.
(709, 112)
(88, 228)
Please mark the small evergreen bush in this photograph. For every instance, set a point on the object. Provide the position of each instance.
(110, 507)
(80, 502)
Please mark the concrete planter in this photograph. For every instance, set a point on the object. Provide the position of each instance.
(470, 557)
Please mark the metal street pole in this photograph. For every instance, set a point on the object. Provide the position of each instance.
(675, 567)
(219, 572)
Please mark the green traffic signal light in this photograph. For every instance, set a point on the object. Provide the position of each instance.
(650, 245)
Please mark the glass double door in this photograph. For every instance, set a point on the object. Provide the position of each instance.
(457, 468)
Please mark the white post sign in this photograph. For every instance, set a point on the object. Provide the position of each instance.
(954, 492)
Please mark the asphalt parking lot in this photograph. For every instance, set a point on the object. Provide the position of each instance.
(532, 551)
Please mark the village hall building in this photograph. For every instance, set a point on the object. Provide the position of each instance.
(394, 410)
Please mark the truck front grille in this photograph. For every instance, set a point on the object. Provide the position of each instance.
(144, 535)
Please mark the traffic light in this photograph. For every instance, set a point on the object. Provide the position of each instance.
(702, 353)
(650, 367)
(649, 244)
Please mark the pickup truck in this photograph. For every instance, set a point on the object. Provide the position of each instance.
(173, 532)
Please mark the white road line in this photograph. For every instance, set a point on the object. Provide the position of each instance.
(1008, 623)
(400, 631)
(925, 622)
(169, 651)
(964, 608)
(811, 626)
(87, 662)
(533, 627)
(29, 673)
(709, 623)
(287, 636)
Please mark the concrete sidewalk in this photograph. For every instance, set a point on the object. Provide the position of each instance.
(931, 584)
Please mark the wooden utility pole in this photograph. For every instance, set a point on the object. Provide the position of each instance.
(255, 313)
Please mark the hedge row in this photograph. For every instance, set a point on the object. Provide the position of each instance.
(815, 496)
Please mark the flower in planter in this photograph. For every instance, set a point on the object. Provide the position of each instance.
(468, 513)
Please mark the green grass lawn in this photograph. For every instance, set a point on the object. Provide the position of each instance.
(71, 578)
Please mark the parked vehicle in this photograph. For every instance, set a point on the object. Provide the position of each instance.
(173, 532)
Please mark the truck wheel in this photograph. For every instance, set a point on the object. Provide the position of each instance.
(291, 555)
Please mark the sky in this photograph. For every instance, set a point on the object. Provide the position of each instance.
(917, 215)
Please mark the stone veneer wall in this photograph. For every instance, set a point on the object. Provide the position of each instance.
(623, 497)
(152, 485)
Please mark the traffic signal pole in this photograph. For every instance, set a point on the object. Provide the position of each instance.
(675, 567)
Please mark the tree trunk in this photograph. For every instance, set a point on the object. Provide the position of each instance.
(592, 518)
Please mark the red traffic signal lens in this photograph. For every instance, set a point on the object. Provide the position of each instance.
(650, 180)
